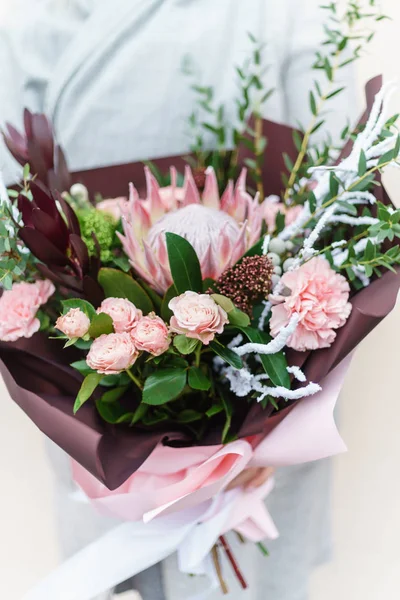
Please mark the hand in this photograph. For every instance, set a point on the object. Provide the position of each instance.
(251, 478)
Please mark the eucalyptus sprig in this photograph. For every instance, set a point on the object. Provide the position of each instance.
(347, 32)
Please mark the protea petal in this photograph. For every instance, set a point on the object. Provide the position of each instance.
(227, 198)
(154, 203)
(210, 196)
(241, 198)
(190, 192)
(225, 248)
(139, 218)
(209, 264)
(240, 245)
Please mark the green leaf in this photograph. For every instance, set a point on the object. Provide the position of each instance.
(228, 355)
(189, 416)
(113, 412)
(238, 317)
(184, 344)
(274, 364)
(166, 312)
(215, 409)
(312, 200)
(313, 104)
(82, 367)
(184, 264)
(255, 250)
(117, 284)
(228, 417)
(140, 412)
(362, 164)
(88, 386)
(164, 385)
(114, 394)
(198, 380)
(235, 316)
(223, 302)
(333, 185)
(101, 324)
(83, 305)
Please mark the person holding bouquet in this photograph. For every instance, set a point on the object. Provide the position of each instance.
(110, 76)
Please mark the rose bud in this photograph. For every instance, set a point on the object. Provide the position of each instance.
(124, 314)
(151, 334)
(112, 353)
(74, 324)
(197, 316)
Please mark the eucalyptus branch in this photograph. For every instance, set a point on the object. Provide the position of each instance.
(339, 35)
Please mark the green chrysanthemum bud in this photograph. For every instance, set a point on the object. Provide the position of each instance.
(103, 226)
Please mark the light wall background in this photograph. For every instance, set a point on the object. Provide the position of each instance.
(366, 514)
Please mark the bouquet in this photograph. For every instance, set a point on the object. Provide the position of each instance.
(170, 339)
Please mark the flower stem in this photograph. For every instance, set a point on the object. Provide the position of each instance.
(135, 380)
(218, 569)
(233, 562)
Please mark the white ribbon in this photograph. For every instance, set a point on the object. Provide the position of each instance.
(135, 546)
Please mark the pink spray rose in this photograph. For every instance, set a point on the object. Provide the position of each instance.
(197, 316)
(124, 314)
(113, 206)
(18, 308)
(320, 296)
(74, 324)
(151, 334)
(112, 353)
(271, 209)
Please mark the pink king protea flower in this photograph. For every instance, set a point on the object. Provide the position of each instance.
(219, 229)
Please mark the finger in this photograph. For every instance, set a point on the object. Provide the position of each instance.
(261, 477)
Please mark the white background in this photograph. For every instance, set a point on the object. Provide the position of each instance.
(366, 502)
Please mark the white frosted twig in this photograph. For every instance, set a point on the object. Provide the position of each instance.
(339, 244)
(357, 197)
(275, 345)
(297, 373)
(309, 242)
(282, 392)
(242, 383)
(264, 315)
(238, 339)
(355, 221)
(265, 244)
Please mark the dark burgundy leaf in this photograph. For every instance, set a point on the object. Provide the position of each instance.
(68, 211)
(51, 228)
(63, 177)
(41, 247)
(16, 144)
(42, 135)
(43, 198)
(80, 251)
(25, 207)
(28, 123)
(92, 291)
(68, 281)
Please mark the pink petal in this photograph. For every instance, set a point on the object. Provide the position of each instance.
(190, 191)
(155, 205)
(211, 192)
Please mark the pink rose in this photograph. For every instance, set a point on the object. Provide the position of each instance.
(124, 314)
(110, 354)
(197, 316)
(320, 296)
(113, 206)
(151, 334)
(74, 324)
(271, 209)
(18, 308)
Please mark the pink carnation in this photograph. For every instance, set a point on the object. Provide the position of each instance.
(197, 316)
(320, 296)
(18, 308)
(124, 314)
(271, 209)
(113, 206)
(74, 324)
(110, 354)
(151, 334)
